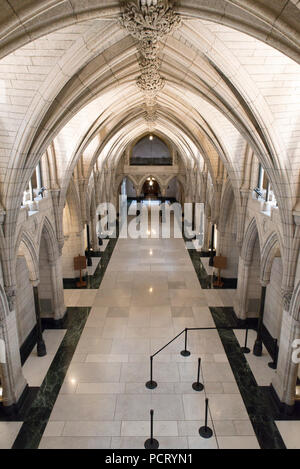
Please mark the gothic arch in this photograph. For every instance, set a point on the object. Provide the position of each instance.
(295, 303)
(25, 246)
(158, 180)
(48, 232)
(270, 250)
(250, 238)
(226, 206)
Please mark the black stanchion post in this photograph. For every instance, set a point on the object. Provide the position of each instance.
(197, 386)
(245, 349)
(151, 443)
(185, 352)
(205, 431)
(151, 384)
(273, 364)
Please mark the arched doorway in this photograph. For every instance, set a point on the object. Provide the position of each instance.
(151, 189)
(174, 191)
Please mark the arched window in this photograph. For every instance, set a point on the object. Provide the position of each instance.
(150, 151)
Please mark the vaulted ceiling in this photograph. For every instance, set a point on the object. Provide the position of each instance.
(231, 77)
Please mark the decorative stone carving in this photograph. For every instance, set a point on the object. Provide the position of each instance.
(150, 80)
(11, 294)
(286, 299)
(149, 22)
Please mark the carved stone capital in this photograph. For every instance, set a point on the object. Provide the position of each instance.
(286, 299)
(11, 294)
(149, 22)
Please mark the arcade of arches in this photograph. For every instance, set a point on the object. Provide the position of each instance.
(200, 107)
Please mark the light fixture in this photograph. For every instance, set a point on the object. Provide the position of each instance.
(150, 252)
(151, 137)
(150, 290)
(151, 183)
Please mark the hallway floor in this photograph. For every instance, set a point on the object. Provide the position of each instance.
(149, 293)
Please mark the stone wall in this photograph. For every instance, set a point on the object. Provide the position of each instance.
(25, 312)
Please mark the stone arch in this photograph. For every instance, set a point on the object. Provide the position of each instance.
(144, 179)
(48, 232)
(25, 246)
(295, 303)
(227, 230)
(73, 227)
(270, 250)
(250, 238)
(172, 178)
(225, 206)
(131, 179)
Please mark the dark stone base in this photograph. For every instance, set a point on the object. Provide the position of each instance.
(31, 340)
(17, 411)
(284, 410)
(204, 254)
(41, 349)
(51, 323)
(257, 349)
(71, 283)
(28, 345)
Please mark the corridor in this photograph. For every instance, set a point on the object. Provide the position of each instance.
(150, 292)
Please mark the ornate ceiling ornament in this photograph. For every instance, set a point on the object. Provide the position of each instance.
(149, 21)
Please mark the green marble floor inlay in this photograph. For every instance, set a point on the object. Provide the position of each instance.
(261, 411)
(93, 281)
(207, 281)
(39, 412)
(257, 399)
(37, 415)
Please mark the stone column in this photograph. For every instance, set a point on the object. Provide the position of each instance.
(211, 260)
(257, 350)
(41, 347)
(89, 259)
(206, 234)
(58, 302)
(241, 300)
(13, 381)
(95, 244)
(284, 381)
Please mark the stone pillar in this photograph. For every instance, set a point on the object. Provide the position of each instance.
(257, 350)
(100, 241)
(13, 380)
(211, 260)
(94, 237)
(241, 299)
(58, 301)
(89, 259)
(206, 235)
(41, 347)
(284, 381)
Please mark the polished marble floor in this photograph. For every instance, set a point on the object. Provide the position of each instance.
(150, 292)
(35, 368)
(263, 374)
